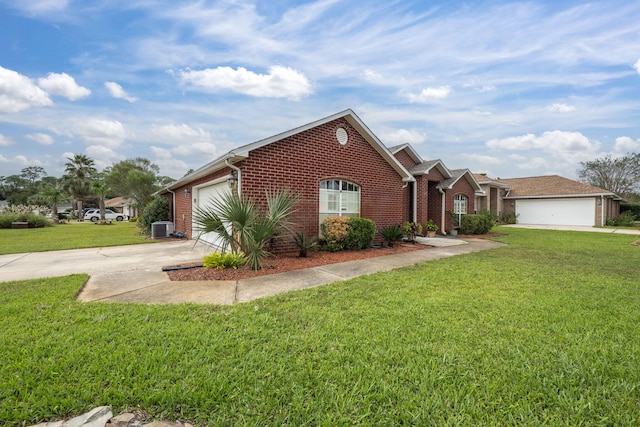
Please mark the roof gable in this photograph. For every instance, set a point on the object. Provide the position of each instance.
(411, 152)
(426, 165)
(485, 180)
(242, 152)
(457, 175)
(550, 186)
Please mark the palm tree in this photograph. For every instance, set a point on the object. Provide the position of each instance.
(79, 170)
(100, 189)
(243, 226)
(51, 195)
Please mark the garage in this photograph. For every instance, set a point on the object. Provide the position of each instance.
(561, 211)
(202, 199)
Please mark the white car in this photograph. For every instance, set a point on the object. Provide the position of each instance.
(94, 215)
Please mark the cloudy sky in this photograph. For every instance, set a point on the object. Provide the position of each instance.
(507, 88)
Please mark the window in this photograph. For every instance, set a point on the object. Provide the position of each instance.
(339, 198)
(459, 209)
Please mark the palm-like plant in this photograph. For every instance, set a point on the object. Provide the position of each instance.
(243, 226)
(100, 189)
(51, 195)
(78, 170)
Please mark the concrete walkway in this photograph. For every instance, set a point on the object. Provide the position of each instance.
(133, 273)
(576, 228)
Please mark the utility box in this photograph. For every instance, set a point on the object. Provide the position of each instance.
(161, 229)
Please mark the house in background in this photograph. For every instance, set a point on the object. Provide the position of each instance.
(554, 200)
(122, 205)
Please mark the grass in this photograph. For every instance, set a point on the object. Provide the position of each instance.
(72, 235)
(540, 332)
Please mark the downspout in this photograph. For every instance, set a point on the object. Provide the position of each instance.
(442, 215)
(173, 208)
(415, 201)
(602, 220)
(237, 169)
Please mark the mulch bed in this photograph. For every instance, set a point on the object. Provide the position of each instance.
(288, 262)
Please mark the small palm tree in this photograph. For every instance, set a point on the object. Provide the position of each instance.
(100, 189)
(78, 170)
(243, 226)
(51, 195)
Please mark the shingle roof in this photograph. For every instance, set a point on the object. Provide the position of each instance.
(427, 165)
(551, 186)
(484, 179)
(456, 174)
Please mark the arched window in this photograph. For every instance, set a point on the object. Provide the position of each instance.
(460, 206)
(339, 198)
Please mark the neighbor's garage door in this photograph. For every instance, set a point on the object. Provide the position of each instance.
(203, 197)
(557, 211)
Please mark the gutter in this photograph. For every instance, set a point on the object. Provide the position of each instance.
(237, 169)
(443, 213)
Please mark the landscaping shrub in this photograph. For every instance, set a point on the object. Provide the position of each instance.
(390, 235)
(631, 207)
(476, 224)
(224, 260)
(360, 233)
(156, 210)
(304, 243)
(511, 218)
(343, 232)
(626, 219)
(34, 220)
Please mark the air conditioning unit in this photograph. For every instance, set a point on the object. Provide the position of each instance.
(161, 229)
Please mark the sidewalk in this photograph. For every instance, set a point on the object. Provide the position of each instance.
(576, 228)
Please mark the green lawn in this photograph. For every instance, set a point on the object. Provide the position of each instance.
(72, 235)
(543, 331)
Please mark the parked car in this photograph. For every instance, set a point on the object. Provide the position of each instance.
(94, 215)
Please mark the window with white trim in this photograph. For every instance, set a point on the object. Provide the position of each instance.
(460, 206)
(339, 198)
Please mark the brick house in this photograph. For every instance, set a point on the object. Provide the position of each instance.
(337, 166)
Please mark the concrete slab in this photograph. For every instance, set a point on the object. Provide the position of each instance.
(440, 241)
(199, 292)
(273, 284)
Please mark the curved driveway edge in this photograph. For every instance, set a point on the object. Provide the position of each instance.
(133, 273)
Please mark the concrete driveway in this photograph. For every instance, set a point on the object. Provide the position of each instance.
(133, 273)
(576, 228)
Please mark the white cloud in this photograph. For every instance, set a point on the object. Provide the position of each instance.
(535, 163)
(206, 150)
(624, 144)
(480, 159)
(63, 85)
(108, 133)
(5, 141)
(281, 82)
(41, 138)
(560, 108)
(180, 133)
(117, 92)
(637, 66)
(403, 136)
(17, 92)
(430, 94)
(102, 156)
(168, 163)
(565, 148)
(36, 7)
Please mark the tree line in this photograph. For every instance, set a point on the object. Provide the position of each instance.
(136, 179)
(619, 175)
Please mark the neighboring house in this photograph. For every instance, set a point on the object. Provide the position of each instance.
(437, 194)
(554, 200)
(336, 165)
(121, 205)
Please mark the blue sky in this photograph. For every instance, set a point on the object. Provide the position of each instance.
(507, 88)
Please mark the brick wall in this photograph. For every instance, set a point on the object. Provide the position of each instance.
(460, 187)
(299, 163)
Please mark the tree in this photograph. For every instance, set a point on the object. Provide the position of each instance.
(620, 175)
(51, 195)
(79, 170)
(136, 179)
(243, 226)
(100, 189)
(33, 174)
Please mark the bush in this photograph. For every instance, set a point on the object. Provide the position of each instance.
(343, 232)
(476, 224)
(34, 220)
(360, 233)
(156, 210)
(626, 219)
(224, 260)
(631, 207)
(511, 218)
(133, 219)
(304, 243)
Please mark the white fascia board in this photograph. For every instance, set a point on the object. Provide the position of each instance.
(562, 196)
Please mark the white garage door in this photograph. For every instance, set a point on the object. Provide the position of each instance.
(203, 197)
(557, 211)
